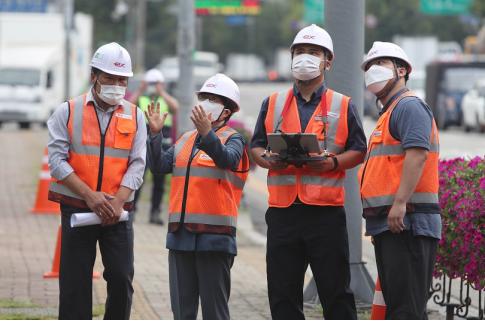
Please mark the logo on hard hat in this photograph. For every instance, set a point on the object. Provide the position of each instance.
(372, 52)
(118, 64)
(309, 37)
(210, 85)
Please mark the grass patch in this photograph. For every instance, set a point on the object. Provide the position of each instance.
(98, 310)
(9, 303)
(22, 316)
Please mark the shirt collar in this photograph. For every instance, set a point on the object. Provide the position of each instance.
(90, 98)
(394, 97)
(315, 95)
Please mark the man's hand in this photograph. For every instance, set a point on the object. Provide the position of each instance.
(201, 120)
(99, 202)
(117, 205)
(275, 164)
(395, 218)
(323, 166)
(155, 120)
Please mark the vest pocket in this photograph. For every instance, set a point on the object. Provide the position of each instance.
(124, 134)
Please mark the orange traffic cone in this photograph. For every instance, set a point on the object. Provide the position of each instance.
(42, 204)
(54, 273)
(378, 304)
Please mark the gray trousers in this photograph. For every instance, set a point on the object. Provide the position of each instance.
(201, 274)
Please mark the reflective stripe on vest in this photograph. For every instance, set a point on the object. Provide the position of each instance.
(380, 174)
(311, 187)
(85, 157)
(216, 173)
(77, 133)
(213, 194)
(378, 201)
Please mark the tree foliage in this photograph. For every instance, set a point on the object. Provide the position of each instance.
(275, 27)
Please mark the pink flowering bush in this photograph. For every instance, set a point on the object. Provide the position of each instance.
(461, 251)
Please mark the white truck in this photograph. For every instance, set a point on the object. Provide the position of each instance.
(282, 64)
(32, 64)
(245, 67)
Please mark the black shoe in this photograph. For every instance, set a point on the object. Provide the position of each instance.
(156, 221)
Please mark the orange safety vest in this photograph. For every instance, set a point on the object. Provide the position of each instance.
(203, 197)
(99, 160)
(329, 123)
(380, 175)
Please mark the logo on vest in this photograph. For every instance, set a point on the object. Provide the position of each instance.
(377, 133)
(333, 114)
(318, 117)
(123, 116)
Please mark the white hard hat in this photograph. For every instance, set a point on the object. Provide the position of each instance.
(153, 76)
(384, 49)
(315, 35)
(222, 85)
(113, 59)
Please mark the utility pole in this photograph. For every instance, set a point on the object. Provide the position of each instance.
(185, 50)
(68, 23)
(344, 21)
(140, 35)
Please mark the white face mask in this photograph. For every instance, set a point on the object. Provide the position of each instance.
(376, 78)
(112, 94)
(151, 90)
(305, 67)
(211, 107)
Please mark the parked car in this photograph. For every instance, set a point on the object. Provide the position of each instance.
(446, 84)
(416, 83)
(473, 106)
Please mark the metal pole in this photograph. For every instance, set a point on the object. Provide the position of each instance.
(344, 20)
(185, 50)
(68, 17)
(139, 41)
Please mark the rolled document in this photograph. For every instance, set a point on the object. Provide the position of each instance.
(90, 218)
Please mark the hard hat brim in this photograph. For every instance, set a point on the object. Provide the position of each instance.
(235, 103)
(323, 47)
(366, 62)
(130, 74)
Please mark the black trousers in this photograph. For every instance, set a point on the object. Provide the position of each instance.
(405, 266)
(203, 274)
(158, 189)
(78, 253)
(302, 235)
